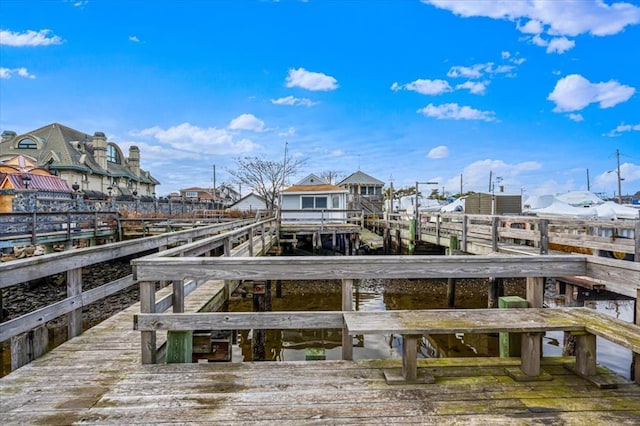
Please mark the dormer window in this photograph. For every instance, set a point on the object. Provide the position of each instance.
(112, 154)
(27, 143)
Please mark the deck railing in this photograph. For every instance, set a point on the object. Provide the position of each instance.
(241, 234)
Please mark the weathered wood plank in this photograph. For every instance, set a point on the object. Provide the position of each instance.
(238, 321)
(288, 267)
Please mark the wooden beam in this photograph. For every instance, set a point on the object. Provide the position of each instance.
(305, 268)
(238, 321)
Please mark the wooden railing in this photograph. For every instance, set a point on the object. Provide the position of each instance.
(482, 234)
(193, 242)
(321, 217)
(534, 268)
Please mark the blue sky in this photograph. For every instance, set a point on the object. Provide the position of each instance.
(535, 91)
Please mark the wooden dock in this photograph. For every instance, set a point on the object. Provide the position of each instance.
(97, 378)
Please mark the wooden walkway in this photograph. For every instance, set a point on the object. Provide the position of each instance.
(98, 378)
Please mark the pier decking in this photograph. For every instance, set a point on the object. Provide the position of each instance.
(97, 378)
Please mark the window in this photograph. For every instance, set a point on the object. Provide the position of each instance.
(27, 143)
(314, 202)
(335, 202)
(363, 190)
(191, 194)
(112, 154)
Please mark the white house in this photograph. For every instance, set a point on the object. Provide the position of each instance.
(250, 203)
(312, 200)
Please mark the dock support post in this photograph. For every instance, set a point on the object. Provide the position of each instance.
(535, 291)
(511, 343)
(226, 243)
(148, 338)
(413, 236)
(531, 353)
(451, 292)
(258, 340)
(465, 224)
(544, 236)
(586, 354)
(398, 241)
(496, 290)
(74, 288)
(635, 362)
(494, 233)
(347, 305)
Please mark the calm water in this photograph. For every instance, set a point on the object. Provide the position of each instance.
(291, 344)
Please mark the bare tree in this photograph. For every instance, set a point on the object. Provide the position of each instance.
(265, 177)
(331, 176)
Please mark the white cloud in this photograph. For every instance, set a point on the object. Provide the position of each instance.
(475, 87)
(560, 45)
(575, 117)
(479, 70)
(247, 122)
(454, 111)
(189, 138)
(291, 100)
(438, 152)
(554, 18)
(623, 128)
(29, 38)
(476, 174)
(424, 87)
(289, 132)
(628, 171)
(6, 73)
(134, 39)
(574, 92)
(518, 61)
(336, 153)
(309, 80)
(505, 54)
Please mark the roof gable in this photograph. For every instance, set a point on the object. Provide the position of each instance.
(360, 177)
(311, 180)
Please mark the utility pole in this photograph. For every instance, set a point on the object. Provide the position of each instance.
(619, 179)
(461, 184)
(213, 190)
(588, 181)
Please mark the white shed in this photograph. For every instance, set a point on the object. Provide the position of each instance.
(313, 201)
(250, 203)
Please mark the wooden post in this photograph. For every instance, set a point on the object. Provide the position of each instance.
(74, 288)
(494, 233)
(179, 347)
(496, 290)
(28, 346)
(226, 244)
(636, 255)
(399, 241)
(148, 338)
(451, 292)
(279, 289)
(333, 241)
(568, 294)
(177, 297)
(511, 343)
(535, 291)
(258, 340)
(531, 353)
(586, 354)
(437, 230)
(465, 225)
(250, 236)
(347, 305)
(412, 233)
(262, 240)
(410, 357)
(544, 236)
(635, 364)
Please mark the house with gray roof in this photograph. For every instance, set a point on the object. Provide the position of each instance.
(91, 162)
(365, 192)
